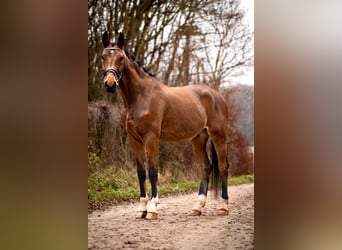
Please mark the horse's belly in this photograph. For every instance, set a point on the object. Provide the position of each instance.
(178, 137)
(181, 130)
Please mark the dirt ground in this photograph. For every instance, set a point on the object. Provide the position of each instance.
(175, 228)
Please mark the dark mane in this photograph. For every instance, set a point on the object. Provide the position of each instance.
(138, 63)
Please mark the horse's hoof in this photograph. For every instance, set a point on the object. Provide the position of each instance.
(141, 214)
(196, 212)
(222, 212)
(151, 216)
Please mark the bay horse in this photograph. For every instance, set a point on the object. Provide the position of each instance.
(154, 112)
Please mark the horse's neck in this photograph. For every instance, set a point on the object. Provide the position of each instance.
(133, 85)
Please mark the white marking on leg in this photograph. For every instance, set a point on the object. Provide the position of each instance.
(143, 204)
(223, 204)
(200, 203)
(152, 205)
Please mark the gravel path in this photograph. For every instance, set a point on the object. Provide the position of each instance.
(175, 228)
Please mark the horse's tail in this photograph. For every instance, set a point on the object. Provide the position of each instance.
(216, 178)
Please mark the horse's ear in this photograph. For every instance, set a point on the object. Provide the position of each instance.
(105, 39)
(121, 40)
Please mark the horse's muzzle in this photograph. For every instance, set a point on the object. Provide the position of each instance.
(110, 89)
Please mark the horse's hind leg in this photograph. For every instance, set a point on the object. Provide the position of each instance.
(199, 148)
(220, 143)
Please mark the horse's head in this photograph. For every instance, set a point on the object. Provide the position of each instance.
(112, 61)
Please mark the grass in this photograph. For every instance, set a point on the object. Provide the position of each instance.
(105, 186)
(241, 179)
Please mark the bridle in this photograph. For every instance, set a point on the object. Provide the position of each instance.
(117, 74)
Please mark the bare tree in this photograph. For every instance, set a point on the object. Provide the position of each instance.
(222, 46)
(182, 42)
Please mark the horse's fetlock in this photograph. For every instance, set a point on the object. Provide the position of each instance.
(143, 204)
(152, 205)
(200, 203)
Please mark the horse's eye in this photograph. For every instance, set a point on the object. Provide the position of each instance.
(102, 58)
(121, 59)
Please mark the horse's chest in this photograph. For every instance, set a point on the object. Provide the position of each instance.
(137, 125)
(131, 126)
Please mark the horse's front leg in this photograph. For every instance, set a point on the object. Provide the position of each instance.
(152, 150)
(138, 150)
(142, 209)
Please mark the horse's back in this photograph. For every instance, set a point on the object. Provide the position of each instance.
(183, 114)
(213, 102)
(190, 109)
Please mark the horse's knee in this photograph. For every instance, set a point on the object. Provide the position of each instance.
(151, 147)
(223, 168)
